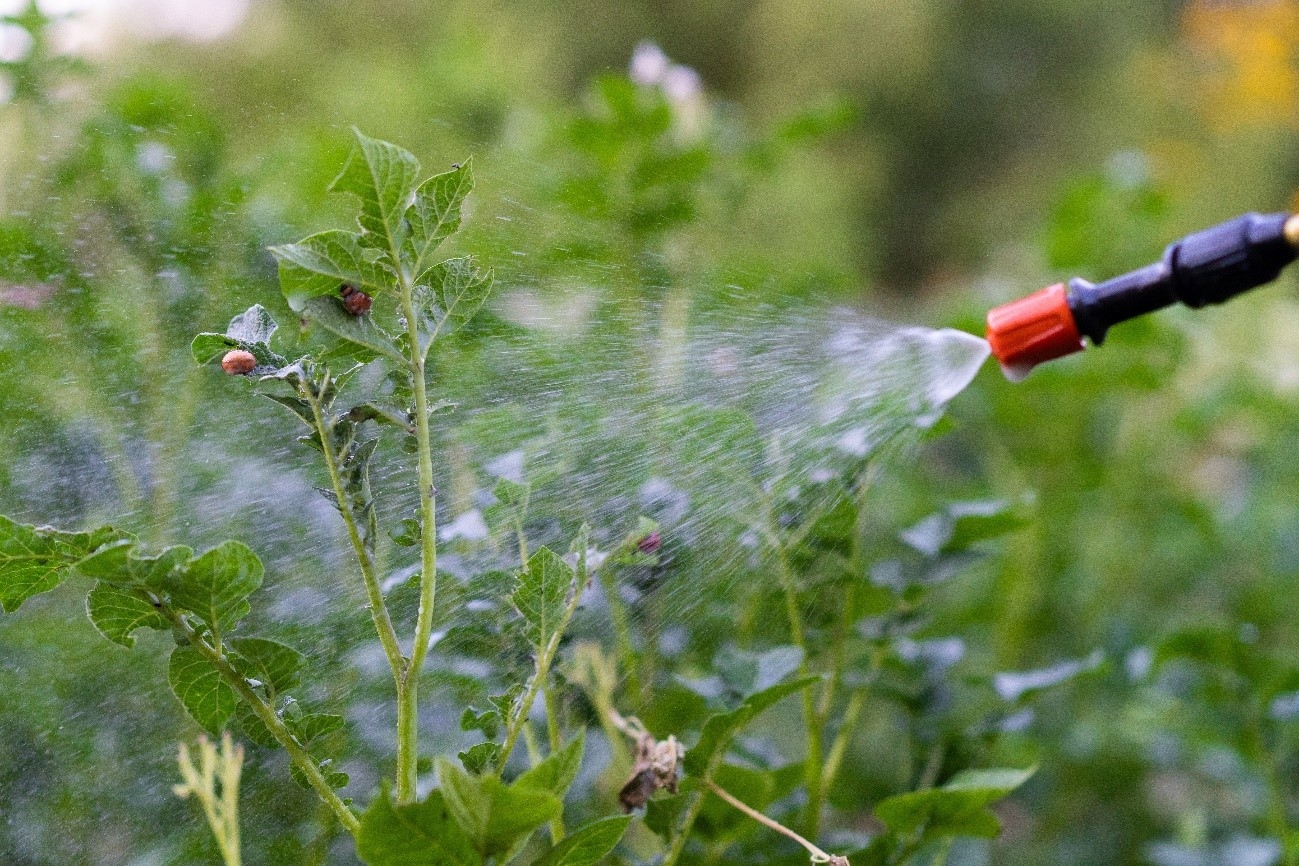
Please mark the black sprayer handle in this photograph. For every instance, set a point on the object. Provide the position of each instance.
(1208, 267)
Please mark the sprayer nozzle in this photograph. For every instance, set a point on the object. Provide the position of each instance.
(1034, 329)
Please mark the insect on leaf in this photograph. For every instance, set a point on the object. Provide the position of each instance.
(322, 263)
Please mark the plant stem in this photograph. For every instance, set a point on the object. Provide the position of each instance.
(378, 610)
(408, 692)
(544, 660)
(840, 745)
(812, 722)
(687, 824)
(298, 755)
(818, 855)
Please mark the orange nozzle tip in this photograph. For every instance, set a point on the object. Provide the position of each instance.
(1036, 328)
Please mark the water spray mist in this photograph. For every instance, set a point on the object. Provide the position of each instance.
(1208, 267)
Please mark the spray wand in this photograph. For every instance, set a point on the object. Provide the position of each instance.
(1208, 267)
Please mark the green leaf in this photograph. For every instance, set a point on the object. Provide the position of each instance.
(480, 758)
(120, 564)
(960, 525)
(421, 834)
(383, 177)
(719, 729)
(542, 596)
(35, 559)
(321, 263)
(216, 585)
(312, 726)
(557, 772)
(959, 808)
(268, 661)
(361, 331)
(253, 727)
(588, 845)
(199, 688)
(449, 294)
(435, 214)
(488, 721)
(492, 814)
(117, 614)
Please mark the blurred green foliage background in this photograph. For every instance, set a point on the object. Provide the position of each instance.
(921, 161)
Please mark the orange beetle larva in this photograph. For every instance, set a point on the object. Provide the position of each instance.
(355, 301)
(238, 362)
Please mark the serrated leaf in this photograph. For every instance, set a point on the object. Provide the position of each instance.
(211, 348)
(36, 559)
(588, 845)
(297, 406)
(957, 808)
(121, 564)
(721, 728)
(267, 661)
(542, 596)
(358, 330)
(253, 727)
(254, 325)
(198, 686)
(117, 614)
(487, 722)
(217, 584)
(449, 295)
(434, 215)
(312, 726)
(421, 834)
(480, 757)
(320, 264)
(558, 770)
(380, 414)
(492, 814)
(383, 176)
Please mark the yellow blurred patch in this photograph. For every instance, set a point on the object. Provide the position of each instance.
(1246, 53)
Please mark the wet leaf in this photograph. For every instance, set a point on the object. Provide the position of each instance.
(117, 614)
(721, 728)
(492, 814)
(480, 758)
(216, 585)
(487, 722)
(383, 177)
(267, 661)
(198, 686)
(321, 264)
(36, 559)
(254, 325)
(420, 834)
(557, 771)
(435, 213)
(312, 726)
(588, 845)
(254, 728)
(451, 294)
(542, 596)
(358, 330)
(959, 807)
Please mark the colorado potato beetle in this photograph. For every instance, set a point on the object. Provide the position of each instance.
(238, 362)
(355, 301)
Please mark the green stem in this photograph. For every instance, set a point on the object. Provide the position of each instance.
(840, 745)
(544, 660)
(1276, 795)
(408, 705)
(298, 755)
(378, 610)
(687, 824)
(621, 631)
(812, 723)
